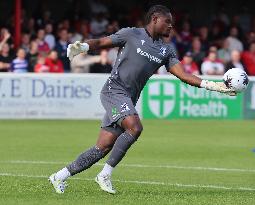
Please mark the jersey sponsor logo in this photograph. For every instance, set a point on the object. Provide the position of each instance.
(162, 51)
(149, 56)
(143, 41)
(161, 98)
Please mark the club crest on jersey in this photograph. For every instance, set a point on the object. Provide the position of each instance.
(124, 107)
(162, 51)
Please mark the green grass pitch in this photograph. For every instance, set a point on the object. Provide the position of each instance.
(174, 162)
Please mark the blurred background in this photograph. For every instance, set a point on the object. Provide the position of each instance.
(210, 37)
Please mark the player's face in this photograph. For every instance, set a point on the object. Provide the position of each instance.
(164, 25)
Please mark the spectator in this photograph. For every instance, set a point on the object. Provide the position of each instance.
(234, 42)
(40, 66)
(85, 31)
(248, 58)
(103, 66)
(25, 42)
(61, 47)
(96, 7)
(98, 25)
(65, 24)
(250, 37)
(186, 37)
(55, 65)
(5, 58)
(115, 25)
(203, 35)
(32, 56)
(43, 47)
(49, 37)
(19, 64)
(175, 39)
(224, 52)
(213, 49)
(216, 34)
(81, 63)
(4, 37)
(30, 27)
(81, 33)
(235, 61)
(212, 66)
(75, 36)
(189, 65)
(197, 52)
(245, 19)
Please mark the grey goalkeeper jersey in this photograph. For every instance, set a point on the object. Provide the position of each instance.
(139, 57)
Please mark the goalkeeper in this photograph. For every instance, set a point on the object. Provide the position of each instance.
(141, 53)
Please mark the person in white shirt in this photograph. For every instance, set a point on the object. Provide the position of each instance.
(211, 65)
(234, 42)
(235, 61)
(49, 37)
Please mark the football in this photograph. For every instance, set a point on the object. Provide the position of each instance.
(237, 79)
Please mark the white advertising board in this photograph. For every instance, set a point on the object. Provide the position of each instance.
(51, 96)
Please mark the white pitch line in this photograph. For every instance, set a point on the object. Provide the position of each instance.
(140, 166)
(142, 182)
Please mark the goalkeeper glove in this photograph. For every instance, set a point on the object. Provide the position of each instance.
(217, 86)
(76, 48)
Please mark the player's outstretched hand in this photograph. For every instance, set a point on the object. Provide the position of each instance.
(217, 86)
(76, 48)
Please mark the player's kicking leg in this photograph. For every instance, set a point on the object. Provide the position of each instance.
(84, 160)
(133, 128)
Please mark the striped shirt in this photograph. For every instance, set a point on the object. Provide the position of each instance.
(19, 66)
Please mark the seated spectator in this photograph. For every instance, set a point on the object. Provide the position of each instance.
(234, 42)
(5, 58)
(103, 66)
(213, 48)
(235, 61)
(224, 52)
(186, 37)
(49, 37)
(204, 36)
(248, 58)
(85, 32)
(216, 33)
(61, 47)
(211, 65)
(81, 33)
(197, 53)
(20, 64)
(32, 56)
(40, 67)
(55, 65)
(98, 25)
(43, 47)
(189, 65)
(25, 42)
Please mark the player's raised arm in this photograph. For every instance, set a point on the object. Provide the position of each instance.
(193, 80)
(92, 44)
(114, 40)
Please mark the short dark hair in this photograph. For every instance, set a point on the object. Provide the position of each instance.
(160, 9)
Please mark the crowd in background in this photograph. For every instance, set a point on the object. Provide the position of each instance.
(212, 49)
